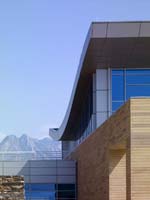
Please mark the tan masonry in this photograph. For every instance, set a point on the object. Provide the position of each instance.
(114, 161)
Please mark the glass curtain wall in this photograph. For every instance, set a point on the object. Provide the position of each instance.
(85, 124)
(43, 191)
(128, 83)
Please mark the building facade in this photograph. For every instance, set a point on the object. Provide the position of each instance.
(38, 179)
(107, 124)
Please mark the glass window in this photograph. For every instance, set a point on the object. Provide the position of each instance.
(138, 79)
(42, 195)
(116, 105)
(137, 71)
(117, 88)
(66, 186)
(66, 194)
(27, 186)
(49, 191)
(38, 187)
(117, 72)
(129, 83)
(43, 187)
(137, 91)
(66, 191)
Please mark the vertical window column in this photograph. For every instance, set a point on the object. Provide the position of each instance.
(118, 88)
(102, 96)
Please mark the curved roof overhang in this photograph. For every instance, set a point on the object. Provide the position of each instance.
(108, 44)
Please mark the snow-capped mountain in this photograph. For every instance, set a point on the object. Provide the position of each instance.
(30, 147)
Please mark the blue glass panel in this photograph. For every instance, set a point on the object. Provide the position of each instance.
(138, 71)
(42, 195)
(116, 105)
(117, 72)
(117, 88)
(144, 79)
(43, 187)
(27, 186)
(40, 191)
(39, 187)
(137, 85)
(135, 91)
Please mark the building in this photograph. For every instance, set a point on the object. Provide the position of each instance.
(37, 179)
(106, 128)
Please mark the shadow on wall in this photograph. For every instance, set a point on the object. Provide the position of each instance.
(117, 173)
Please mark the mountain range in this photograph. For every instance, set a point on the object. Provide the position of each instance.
(26, 147)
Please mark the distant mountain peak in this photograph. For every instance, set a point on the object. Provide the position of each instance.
(11, 136)
(25, 143)
(24, 136)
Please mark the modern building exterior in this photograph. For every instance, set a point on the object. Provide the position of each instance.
(38, 179)
(107, 124)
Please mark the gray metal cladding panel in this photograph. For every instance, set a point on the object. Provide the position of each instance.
(43, 163)
(99, 30)
(43, 179)
(13, 164)
(1, 172)
(66, 163)
(66, 171)
(1, 164)
(66, 179)
(16, 171)
(123, 29)
(145, 29)
(43, 171)
(27, 179)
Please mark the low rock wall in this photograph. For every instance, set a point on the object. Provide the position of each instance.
(11, 188)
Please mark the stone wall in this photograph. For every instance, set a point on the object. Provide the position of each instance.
(101, 156)
(140, 150)
(11, 188)
(114, 161)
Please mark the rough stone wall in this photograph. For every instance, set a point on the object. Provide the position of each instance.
(11, 188)
(96, 177)
(114, 161)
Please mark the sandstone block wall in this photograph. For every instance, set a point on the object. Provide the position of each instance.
(97, 163)
(140, 149)
(114, 161)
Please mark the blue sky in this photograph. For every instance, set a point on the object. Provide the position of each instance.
(40, 47)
